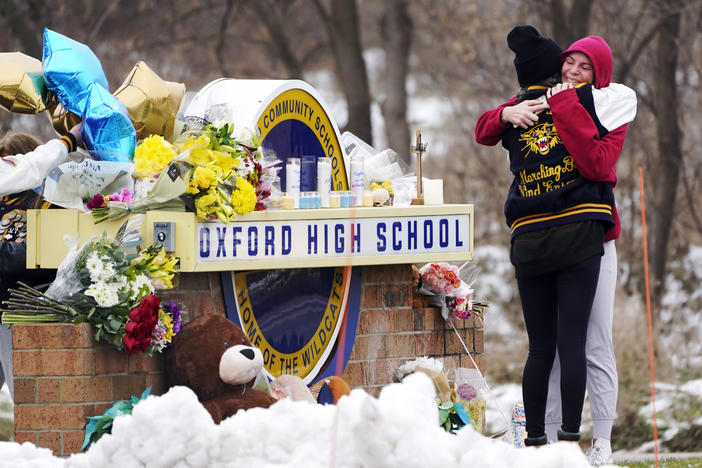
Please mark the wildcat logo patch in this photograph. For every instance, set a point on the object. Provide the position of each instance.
(540, 139)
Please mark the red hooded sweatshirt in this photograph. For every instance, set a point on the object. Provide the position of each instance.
(594, 156)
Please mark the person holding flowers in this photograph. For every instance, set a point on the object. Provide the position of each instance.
(24, 163)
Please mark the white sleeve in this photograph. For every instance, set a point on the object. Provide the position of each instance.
(26, 171)
(615, 105)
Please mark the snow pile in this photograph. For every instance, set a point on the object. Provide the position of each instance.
(400, 428)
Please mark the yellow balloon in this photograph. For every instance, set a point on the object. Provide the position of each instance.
(152, 102)
(22, 87)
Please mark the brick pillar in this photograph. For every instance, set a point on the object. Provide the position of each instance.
(62, 377)
(200, 293)
(397, 325)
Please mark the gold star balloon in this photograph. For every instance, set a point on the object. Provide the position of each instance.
(152, 102)
(62, 119)
(22, 87)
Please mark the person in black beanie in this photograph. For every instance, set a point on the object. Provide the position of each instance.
(537, 58)
(558, 219)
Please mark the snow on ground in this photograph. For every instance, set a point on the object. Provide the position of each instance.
(5, 402)
(399, 428)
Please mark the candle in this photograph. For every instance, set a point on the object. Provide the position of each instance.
(292, 180)
(367, 198)
(357, 179)
(308, 173)
(324, 181)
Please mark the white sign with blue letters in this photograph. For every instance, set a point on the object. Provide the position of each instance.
(326, 238)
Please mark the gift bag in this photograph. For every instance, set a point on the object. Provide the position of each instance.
(470, 392)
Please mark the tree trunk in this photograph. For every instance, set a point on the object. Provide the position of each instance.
(396, 26)
(669, 145)
(570, 24)
(345, 38)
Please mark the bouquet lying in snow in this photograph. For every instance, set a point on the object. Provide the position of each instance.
(110, 285)
(443, 284)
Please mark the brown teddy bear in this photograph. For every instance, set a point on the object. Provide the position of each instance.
(212, 356)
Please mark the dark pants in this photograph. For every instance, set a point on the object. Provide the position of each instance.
(556, 310)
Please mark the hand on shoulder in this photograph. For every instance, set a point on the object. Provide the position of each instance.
(525, 114)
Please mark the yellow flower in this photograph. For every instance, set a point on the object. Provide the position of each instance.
(226, 162)
(167, 322)
(203, 140)
(152, 155)
(204, 205)
(244, 196)
(200, 156)
(204, 177)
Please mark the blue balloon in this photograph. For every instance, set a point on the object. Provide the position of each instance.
(69, 68)
(108, 130)
(74, 74)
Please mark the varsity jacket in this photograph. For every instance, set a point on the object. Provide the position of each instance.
(18, 174)
(590, 122)
(548, 190)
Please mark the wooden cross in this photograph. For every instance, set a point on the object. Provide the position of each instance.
(418, 148)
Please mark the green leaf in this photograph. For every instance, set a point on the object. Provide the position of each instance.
(447, 405)
(443, 416)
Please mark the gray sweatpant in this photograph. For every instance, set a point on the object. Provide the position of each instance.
(6, 359)
(602, 381)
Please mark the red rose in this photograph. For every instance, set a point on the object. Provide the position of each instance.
(142, 321)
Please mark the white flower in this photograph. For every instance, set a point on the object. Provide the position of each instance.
(105, 294)
(424, 361)
(139, 287)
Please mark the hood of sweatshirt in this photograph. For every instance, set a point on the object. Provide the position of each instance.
(599, 53)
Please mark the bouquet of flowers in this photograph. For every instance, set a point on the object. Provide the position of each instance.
(442, 282)
(151, 191)
(110, 285)
(226, 175)
(439, 278)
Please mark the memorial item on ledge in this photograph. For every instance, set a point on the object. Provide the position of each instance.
(72, 184)
(225, 175)
(98, 426)
(74, 75)
(111, 285)
(214, 358)
(155, 188)
(441, 282)
(379, 170)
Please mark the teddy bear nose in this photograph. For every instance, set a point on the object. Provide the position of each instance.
(248, 353)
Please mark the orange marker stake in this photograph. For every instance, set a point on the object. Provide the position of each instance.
(648, 312)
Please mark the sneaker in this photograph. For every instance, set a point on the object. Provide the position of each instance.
(600, 453)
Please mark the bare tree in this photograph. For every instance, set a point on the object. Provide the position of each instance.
(572, 23)
(669, 140)
(345, 39)
(396, 26)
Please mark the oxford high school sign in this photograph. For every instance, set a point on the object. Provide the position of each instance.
(336, 241)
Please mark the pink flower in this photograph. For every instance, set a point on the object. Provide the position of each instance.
(124, 195)
(462, 307)
(440, 278)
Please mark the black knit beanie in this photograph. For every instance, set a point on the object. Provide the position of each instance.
(537, 57)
